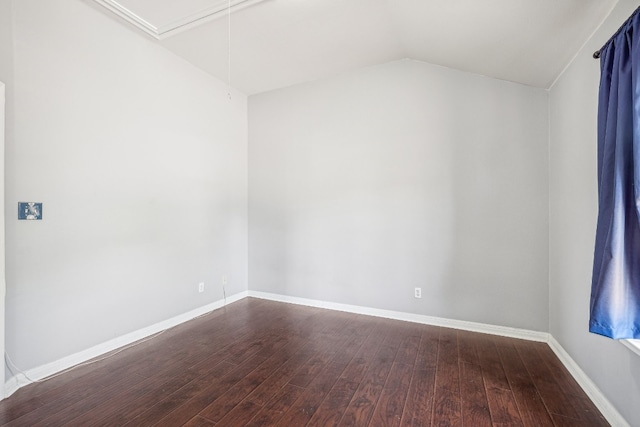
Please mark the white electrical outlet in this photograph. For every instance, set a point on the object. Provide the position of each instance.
(417, 292)
(224, 280)
(201, 287)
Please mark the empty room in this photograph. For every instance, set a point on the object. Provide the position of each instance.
(320, 212)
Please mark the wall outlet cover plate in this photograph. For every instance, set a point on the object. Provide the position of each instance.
(29, 210)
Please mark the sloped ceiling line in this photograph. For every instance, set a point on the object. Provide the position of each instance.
(280, 43)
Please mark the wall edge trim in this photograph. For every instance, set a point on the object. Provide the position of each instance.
(221, 8)
(590, 388)
(610, 413)
(504, 331)
(633, 345)
(41, 372)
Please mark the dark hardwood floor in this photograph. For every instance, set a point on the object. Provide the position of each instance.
(262, 363)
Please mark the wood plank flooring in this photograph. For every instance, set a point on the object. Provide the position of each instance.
(263, 363)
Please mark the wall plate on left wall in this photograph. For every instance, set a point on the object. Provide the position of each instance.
(29, 210)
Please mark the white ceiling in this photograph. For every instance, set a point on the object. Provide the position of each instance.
(278, 43)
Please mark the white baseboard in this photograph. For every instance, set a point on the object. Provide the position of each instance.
(595, 394)
(633, 345)
(606, 408)
(44, 371)
(411, 317)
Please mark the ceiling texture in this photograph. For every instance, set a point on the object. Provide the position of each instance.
(279, 43)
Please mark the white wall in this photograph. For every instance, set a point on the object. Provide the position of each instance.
(6, 42)
(6, 134)
(2, 240)
(140, 161)
(573, 212)
(403, 175)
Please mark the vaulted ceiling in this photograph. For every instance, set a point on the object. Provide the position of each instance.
(278, 43)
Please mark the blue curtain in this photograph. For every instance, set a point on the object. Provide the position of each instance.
(615, 288)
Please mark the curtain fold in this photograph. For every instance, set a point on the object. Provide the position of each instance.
(615, 288)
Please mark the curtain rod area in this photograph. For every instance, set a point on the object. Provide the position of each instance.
(596, 54)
